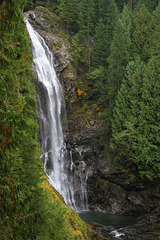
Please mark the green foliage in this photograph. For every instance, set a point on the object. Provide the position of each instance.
(86, 14)
(155, 36)
(142, 34)
(97, 81)
(136, 122)
(29, 4)
(19, 148)
(117, 61)
(127, 25)
(67, 10)
(101, 50)
(109, 13)
(122, 125)
(101, 46)
(98, 73)
(151, 5)
(79, 46)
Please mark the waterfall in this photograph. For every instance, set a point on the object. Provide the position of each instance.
(62, 173)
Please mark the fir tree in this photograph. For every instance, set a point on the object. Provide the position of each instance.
(155, 36)
(101, 49)
(142, 33)
(101, 45)
(68, 13)
(127, 26)
(147, 155)
(126, 112)
(109, 14)
(136, 124)
(117, 61)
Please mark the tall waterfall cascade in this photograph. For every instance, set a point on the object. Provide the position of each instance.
(66, 177)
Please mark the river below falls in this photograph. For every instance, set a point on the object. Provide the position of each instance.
(107, 219)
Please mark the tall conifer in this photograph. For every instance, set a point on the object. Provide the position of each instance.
(155, 36)
(117, 61)
(142, 33)
(136, 123)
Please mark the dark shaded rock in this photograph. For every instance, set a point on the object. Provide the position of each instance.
(110, 188)
(103, 230)
(119, 199)
(147, 228)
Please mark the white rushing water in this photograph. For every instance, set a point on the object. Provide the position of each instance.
(61, 171)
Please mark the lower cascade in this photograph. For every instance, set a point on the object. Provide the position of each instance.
(68, 178)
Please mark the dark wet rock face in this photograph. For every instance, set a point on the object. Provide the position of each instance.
(114, 198)
(146, 228)
(110, 188)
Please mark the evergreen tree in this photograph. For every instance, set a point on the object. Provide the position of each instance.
(126, 112)
(141, 34)
(151, 5)
(101, 45)
(136, 124)
(127, 26)
(68, 13)
(98, 72)
(79, 49)
(86, 15)
(109, 14)
(86, 21)
(147, 155)
(155, 36)
(81, 44)
(101, 49)
(97, 81)
(117, 61)
(104, 32)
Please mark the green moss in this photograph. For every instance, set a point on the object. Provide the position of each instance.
(101, 182)
(44, 10)
(57, 44)
(54, 20)
(67, 223)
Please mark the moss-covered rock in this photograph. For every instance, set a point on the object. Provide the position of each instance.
(66, 223)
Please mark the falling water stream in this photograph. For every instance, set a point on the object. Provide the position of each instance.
(61, 171)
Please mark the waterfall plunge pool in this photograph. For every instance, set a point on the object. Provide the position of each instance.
(107, 219)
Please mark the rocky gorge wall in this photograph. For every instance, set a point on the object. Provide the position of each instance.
(110, 188)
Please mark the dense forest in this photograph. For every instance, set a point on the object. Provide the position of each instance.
(115, 49)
